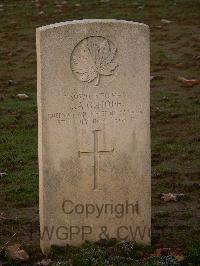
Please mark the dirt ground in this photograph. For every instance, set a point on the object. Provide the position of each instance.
(175, 112)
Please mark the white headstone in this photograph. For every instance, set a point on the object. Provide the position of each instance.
(94, 131)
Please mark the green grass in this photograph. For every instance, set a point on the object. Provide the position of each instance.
(175, 109)
(18, 150)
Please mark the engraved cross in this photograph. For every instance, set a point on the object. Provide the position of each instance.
(96, 154)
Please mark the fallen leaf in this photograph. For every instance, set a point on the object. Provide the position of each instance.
(4, 247)
(180, 65)
(168, 197)
(171, 196)
(179, 257)
(166, 21)
(41, 13)
(2, 174)
(177, 253)
(161, 251)
(22, 96)
(16, 253)
(188, 82)
(157, 109)
(157, 252)
(11, 82)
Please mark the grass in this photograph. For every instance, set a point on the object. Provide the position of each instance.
(18, 154)
(193, 254)
(175, 109)
(99, 253)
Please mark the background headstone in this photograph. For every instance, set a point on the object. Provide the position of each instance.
(94, 131)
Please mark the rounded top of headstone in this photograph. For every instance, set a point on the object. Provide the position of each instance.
(90, 21)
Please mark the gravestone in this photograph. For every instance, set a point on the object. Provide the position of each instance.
(94, 132)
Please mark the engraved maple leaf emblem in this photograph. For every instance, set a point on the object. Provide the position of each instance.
(92, 58)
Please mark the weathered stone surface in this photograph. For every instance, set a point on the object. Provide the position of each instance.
(94, 131)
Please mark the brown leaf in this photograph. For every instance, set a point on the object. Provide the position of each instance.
(16, 253)
(22, 96)
(3, 174)
(180, 65)
(165, 21)
(188, 82)
(157, 252)
(178, 255)
(168, 197)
